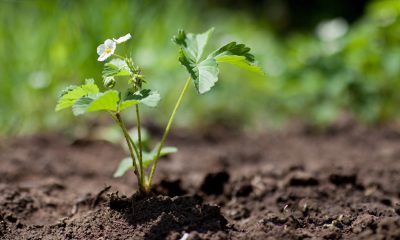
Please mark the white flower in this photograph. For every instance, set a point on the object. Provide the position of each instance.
(106, 49)
(123, 38)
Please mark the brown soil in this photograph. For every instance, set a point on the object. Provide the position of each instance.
(291, 185)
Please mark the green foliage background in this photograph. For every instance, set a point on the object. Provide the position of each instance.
(47, 45)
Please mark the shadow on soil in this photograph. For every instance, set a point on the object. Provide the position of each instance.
(161, 215)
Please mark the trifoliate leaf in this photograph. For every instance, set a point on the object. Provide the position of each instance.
(73, 93)
(236, 54)
(205, 72)
(96, 102)
(193, 44)
(145, 96)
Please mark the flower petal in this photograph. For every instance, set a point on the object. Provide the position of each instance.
(100, 49)
(110, 44)
(123, 38)
(104, 56)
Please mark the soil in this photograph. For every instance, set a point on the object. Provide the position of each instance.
(296, 184)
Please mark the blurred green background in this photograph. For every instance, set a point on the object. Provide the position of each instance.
(323, 59)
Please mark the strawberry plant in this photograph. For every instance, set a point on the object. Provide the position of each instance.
(122, 73)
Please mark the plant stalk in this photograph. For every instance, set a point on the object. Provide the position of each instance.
(122, 125)
(140, 144)
(119, 56)
(166, 131)
(131, 144)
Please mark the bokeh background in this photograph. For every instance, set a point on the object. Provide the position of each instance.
(324, 59)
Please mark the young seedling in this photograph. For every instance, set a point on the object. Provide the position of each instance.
(121, 71)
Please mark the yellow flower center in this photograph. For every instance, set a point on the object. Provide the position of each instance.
(108, 50)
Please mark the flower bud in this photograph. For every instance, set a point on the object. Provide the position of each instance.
(109, 82)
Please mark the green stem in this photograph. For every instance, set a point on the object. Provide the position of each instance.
(131, 144)
(119, 56)
(166, 131)
(122, 125)
(140, 156)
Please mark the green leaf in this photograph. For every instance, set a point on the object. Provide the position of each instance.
(123, 167)
(204, 74)
(193, 44)
(82, 104)
(127, 103)
(145, 96)
(107, 101)
(237, 54)
(151, 99)
(71, 94)
(96, 102)
(90, 87)
(188, 63)
(115, 68)
(168, 150)
(148, 158)
(67, 90)
(207, 72)
(145, 136)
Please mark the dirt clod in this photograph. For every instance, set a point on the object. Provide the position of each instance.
(342, 179)
(171, 188)
(301, 179)
(214, 183)
(397, 208)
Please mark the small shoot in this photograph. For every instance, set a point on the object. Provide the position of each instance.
(204, 72)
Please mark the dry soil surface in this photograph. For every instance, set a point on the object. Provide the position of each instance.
(284, 185)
